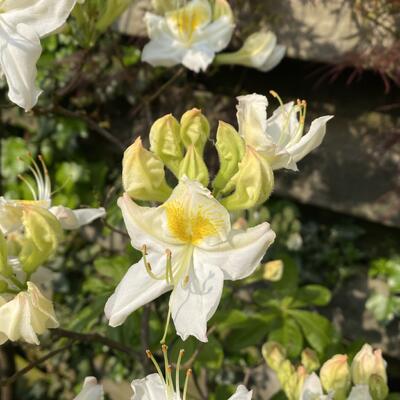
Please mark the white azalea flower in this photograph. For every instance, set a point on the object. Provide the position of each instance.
(91, 390)
(360, 392)
(158, 387)
(22, 24)
(188, 36)
(11, 210)
(312, 389)
(279, 138)
(27, 315)
(190, 248)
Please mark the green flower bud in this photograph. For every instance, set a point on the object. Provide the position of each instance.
(274, 354)
(195, 129)
(293, 385)
(165, 142)
(368, 362)
(309, 358)
(143, 174)
(273, 271)
(43, 234)
(335, 376)
(231, 149)
(113, 9)
(252, 184)
(378, 387)
(5, 269)
(194, 167)
(3, 288)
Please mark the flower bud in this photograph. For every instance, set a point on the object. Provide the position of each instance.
(273, 271)
(222, 9)
(193, 166)
(231, 149)
(165, 142)
(42, 236)
(309, 359)
(378, 387)
(195, 129)
(274, 354)
(335, 376)
(112, 10)
(5, 269)
(365, 363)
(143, 174)
(260, 50)
(252, 184)
(3, 288)
(293, 385)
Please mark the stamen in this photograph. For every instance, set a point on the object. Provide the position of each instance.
(169, 274)
(30, 187)
(168, 375)
(151, 357)
(276, 95)
(47, 182)
(148, 266)
(185, 281)
(185, 388)
(178, 367)
(166, 327)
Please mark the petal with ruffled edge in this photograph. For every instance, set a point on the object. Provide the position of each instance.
(194, 302)
(91, 390)
(163, 49)
(20, 49)
(360, 392)
(241, 254)
(198, 58)
(312, 389)
(241, 394)
(43, 16)
(149, 388)
(311, 140)
(252, 120)
(74, 219)
(136, 289)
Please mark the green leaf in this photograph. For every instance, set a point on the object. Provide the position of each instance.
(383, 307)
(317, 330)
(289, 336)
(312, 295)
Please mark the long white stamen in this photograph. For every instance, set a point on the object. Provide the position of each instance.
(158, 369)
(178, 367)
(188, 375)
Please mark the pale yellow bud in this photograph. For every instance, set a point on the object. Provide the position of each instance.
(143, 174)
(195, 129)
(252, 184)
(231, 149)
(293, 385)
(194, 167)
(310, 360)
(335, 376)
(43, 234)
(273, 270)
(274, 354)
(222, 9)
(368, 362)
(165, 142)
(5, 269)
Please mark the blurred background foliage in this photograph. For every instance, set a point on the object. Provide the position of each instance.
(98, 98)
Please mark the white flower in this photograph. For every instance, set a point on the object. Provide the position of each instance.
(312, 389)
(91, 390)
(11, 210)
(189, 248)
(279, 138)
(22, 24)
(27, 315)
(360, 392)
(187, 36)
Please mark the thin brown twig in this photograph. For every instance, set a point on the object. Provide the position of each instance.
(33, 364)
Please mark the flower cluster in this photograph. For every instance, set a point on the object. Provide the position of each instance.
(193, 33)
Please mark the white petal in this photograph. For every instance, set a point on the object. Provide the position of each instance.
(10, 216)
(241, 254)
(198, 58)
(274, 58)
(194, 303)
(42, 16)
(311, 140)
(19, 51)
(136, 289)
(145, 225)
(242, 394)
(360, 392)
(311, 388)
(74, 219)
(149, 388)
(279, 127)
(252, 119)
(163, 49)
(91, 390)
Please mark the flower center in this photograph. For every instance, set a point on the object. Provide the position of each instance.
(188, 226)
